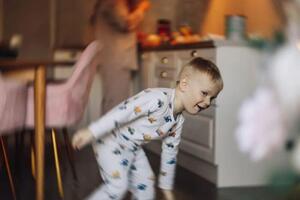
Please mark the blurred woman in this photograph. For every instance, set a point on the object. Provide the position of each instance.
(114, 23)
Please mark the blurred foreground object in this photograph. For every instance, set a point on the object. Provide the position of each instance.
(269, 121)
(277, 106)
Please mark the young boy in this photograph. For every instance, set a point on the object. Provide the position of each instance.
(150, 115)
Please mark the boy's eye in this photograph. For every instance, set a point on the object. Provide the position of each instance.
(204, 93)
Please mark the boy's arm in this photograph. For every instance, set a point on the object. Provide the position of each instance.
(170, 147)
(137, 106)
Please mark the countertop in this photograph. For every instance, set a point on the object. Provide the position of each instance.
(196, 45)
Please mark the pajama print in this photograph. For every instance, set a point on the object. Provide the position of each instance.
(122, 162)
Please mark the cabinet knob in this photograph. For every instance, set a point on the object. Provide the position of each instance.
(164, 60)
(163, 74)
(194, 53)
(73, 55)
(144, 56)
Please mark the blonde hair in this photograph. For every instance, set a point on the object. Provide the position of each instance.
(202, 65)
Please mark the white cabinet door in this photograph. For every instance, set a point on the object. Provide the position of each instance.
(159, 69)
(165, 76)
(165, 69)
(198, 136)
(148, 61)
(198, 130)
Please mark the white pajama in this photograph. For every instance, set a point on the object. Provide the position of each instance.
(122, 162)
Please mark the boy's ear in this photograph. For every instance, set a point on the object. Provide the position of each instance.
(183, 84)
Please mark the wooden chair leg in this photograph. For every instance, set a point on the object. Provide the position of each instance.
(17, 157)
(70, 152)
(17, 150)
(5, 157)
(32, 155)
(57, 165)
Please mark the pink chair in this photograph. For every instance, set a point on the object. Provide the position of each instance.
(12, 108)
(66, 102)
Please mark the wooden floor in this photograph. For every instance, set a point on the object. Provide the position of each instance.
(187, 185)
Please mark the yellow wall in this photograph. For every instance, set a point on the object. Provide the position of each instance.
(262, 18)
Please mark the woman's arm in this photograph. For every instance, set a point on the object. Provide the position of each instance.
(136, 16)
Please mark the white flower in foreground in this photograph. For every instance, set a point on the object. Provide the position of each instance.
(285, 74)
(261, 129)
(296, 156)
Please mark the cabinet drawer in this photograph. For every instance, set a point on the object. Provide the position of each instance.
(165, 73)
(166, 59)
(209, 54)
(147, 70)
(198, 136)
(165, 83)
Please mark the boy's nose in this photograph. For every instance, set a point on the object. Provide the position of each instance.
(207, 103)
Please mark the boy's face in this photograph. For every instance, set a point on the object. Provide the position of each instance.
(198, 92)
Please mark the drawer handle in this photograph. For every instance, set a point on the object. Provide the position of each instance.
(73, 55)
(164, 60)
(194, 53)
(144, 56)
(163, 74)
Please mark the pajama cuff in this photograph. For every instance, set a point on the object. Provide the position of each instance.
(93, 130)
(163, 185)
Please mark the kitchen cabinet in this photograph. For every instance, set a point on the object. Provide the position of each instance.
(208, 147)
(31, 20)
(46, 25)
(1, 20)
(71, 21)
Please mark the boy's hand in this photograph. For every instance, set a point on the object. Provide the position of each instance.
(81, 138)
(168, 194)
